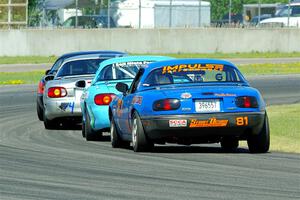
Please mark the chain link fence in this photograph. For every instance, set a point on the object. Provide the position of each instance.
(13, 13)
(149, 13)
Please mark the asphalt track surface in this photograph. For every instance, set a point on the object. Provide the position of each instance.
(237, 61)
(41, 164)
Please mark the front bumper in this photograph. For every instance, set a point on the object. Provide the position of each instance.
(203, 126)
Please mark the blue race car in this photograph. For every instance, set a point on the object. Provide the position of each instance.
(188, 101)
(96, 98)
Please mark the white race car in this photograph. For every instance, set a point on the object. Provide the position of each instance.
(64, 89)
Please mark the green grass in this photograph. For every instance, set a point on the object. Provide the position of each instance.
(51, 59)
(285, 127)
(27, 60)
(8, 78)
(263, 69)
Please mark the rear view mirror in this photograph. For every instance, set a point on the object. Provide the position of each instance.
(80, 84)
(47, 72)
(122, 87)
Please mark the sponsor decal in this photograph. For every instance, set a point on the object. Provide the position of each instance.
(186, 109)
(212, 122)
(178, 123)
(225, 95)
(134, 63)
(137, 100)
(186, 95)
(191, 68)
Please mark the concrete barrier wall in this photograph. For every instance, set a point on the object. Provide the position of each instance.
(203, 40)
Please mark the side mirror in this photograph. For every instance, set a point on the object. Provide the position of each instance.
(49, 78)
(80, 84)
(47, 72)
(122, 87)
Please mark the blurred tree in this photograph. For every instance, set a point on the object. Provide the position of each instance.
(34, 13)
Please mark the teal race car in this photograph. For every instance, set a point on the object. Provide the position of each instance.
(95, 99)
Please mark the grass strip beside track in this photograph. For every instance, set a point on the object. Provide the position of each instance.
(268, 69)
(51, 59)
(27, 59)
(13, 78)
(284, 128)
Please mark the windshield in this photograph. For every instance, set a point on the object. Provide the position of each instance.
(122, 70)
(79, 67)
(193, 73)
(283, 12)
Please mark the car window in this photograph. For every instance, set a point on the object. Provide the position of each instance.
(121, 70)
(295, 11)
(192, 73)
(103, 20)
(284, 12)
(69, 22)
(86, 22)
(79, 67)
(136, 81)
(56, 65)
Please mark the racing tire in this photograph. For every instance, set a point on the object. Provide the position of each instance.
(116, 140)
(260, 143)
(49, 124)
(140, 142)
(90, 134)
(83, 128)
(229, 144)
(40, 112)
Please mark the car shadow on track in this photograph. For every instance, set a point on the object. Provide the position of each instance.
(195, 149)
(181, 148)
(68, 126)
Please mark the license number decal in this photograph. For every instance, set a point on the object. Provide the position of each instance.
(209, 105)
(70, 105)
(178, 123)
